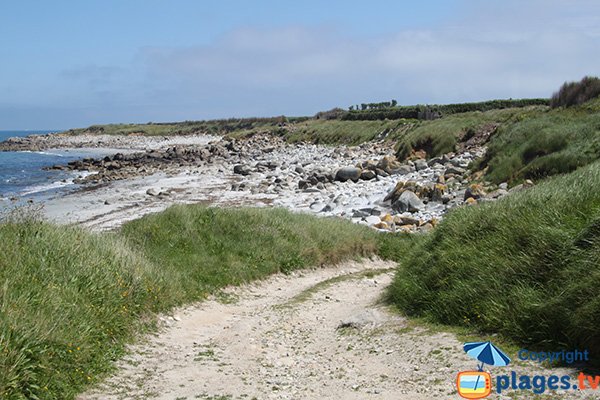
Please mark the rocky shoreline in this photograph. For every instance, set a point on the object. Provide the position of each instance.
(365, 183)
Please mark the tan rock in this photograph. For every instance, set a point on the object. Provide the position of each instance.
(381, 225)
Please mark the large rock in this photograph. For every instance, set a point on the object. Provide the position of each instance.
(241, 170)
(420, 165)
(367, 175)
(408, 201)
(389, 164)
(348, 173)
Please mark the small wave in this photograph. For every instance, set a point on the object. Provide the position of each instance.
(44, 153)
(43, 188)
(48, 153)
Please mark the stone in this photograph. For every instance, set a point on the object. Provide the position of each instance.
(152, 192)
(408, 201)
(381, 172)
(454, 171)
(302, 184)
(367, 175)
(395, 192)
(404, 169)
(381, 225)
(421, 165)
(371, 211)
(241, 169)
(372, 220)
(405, 220)
(316, 206)
(496, 194)
(387, 218)
(299, 170)
(503, 186)
(360, 214)
(388, 164)
(328, 208)
(434, 161)
(438, 192)
(474, 191)
(348, 173)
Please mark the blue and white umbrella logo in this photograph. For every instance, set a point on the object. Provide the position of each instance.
(486, 353)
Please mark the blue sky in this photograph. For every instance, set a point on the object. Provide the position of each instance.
(81, 62)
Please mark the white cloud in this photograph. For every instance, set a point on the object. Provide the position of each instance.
(496, 50)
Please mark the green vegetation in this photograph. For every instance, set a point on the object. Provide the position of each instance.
(442, 135)
(70, 299)
(214, 127)
(206, 248)
(576, 93)
(379, 111)
(346, 132)
(525, 267)
(541, 144)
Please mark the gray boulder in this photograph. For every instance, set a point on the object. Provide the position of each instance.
(408, 201)
(241, 170)
(420, 165)
(367, 175)
(348, 173)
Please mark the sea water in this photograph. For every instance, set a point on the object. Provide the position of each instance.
(22, 173)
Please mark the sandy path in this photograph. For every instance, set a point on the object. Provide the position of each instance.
(320, 334)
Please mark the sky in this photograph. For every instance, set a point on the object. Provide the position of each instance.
(74, 63)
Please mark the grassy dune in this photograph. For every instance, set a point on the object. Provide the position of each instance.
(70, 300)
(526, 266)
(545, 143)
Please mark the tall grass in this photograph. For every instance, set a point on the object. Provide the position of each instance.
(441, 136)
(205, 248)
(70, 300)
(526, 266)
(544, 144)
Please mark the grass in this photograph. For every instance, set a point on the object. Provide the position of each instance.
(525, 267)
(441, 136)
(347, 132)
(214, 127)
(545, 144)
(70, 299)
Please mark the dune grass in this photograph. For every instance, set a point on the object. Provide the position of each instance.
(206, 248)
(441, 135)
(544, 144)
(526, 267)
(70, 299)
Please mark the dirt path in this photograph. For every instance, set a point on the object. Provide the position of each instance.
(320, 334)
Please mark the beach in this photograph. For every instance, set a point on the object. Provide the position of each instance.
(142, 174)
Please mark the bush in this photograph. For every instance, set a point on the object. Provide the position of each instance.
(576, 93)
(524, 266)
